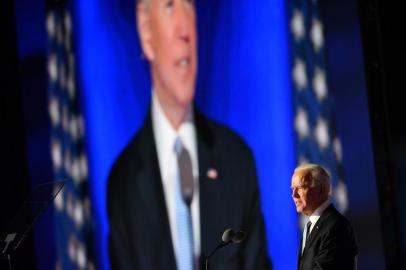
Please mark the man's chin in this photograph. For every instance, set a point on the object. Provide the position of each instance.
(186, 99)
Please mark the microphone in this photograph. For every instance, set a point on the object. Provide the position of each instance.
(238, 237)
(228, 237)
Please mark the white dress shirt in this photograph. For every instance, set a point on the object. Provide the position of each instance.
(165, 136)
(313, 219)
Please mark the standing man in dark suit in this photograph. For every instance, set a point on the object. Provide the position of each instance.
(183, 179)
(328, 240)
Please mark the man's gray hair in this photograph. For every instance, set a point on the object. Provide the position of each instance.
(313, 174)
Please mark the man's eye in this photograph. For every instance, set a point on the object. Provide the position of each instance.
(169, 6)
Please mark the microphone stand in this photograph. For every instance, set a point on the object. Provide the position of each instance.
(229, 236)
(222, 244)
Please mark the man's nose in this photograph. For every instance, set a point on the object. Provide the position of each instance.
(182, 23)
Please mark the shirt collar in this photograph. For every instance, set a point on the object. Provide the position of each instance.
(165, 134)
(319, 211)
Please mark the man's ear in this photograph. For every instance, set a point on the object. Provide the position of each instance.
(144, 29)
(322, 189)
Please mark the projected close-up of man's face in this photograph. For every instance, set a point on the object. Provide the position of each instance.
(168, 36)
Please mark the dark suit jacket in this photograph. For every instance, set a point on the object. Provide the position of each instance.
(331, 244)
(140, 236)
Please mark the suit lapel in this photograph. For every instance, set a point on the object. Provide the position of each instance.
(210, 204)
(151, 190)
(317, 227)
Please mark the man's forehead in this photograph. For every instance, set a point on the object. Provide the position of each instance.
(298, 175)
(296, 178)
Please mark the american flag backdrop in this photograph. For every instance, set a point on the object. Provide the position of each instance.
(314, 114)
(73, 224)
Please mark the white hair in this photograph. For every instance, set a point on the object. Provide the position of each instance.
(314, 175)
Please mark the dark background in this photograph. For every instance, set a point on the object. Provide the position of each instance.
(347, 81)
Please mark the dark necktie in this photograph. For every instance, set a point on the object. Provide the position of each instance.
(309, 224)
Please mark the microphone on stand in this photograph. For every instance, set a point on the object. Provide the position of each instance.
(229, 236)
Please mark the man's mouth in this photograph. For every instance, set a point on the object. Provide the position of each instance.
(183, 62)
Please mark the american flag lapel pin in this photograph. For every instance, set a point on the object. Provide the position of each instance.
(212, 174)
